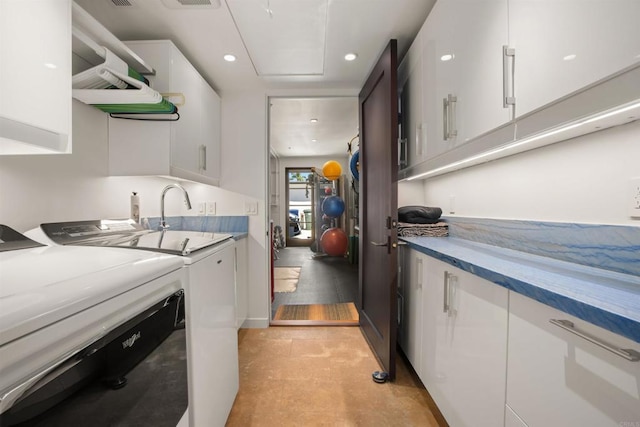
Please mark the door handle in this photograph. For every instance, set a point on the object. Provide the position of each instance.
(387, 244)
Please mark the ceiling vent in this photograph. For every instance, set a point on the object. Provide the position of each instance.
(121, 3)
(191, 4)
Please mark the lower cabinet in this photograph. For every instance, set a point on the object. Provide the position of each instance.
(464, 344)
(558, 378)
(493, 357)
(410, 309)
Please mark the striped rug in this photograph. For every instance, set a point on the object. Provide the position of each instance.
(317, 314)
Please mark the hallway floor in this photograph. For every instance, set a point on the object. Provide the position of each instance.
(323, 280)
(321, 376)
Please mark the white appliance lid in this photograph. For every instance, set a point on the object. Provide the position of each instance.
(40, 286)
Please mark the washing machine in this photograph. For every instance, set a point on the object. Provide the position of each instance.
(210, 262)
(69, 314)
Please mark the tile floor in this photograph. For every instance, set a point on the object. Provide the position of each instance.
(321, 376)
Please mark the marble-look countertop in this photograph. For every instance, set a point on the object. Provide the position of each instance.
(605, 298)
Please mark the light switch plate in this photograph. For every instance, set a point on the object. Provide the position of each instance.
(634, 198)
(251, 208)
(211, 208)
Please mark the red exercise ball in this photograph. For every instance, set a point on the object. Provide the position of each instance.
(334, 242)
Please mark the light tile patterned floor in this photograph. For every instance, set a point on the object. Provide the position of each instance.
(321, 376)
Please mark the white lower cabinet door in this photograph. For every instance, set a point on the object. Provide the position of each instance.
(464, 345)
(411, 321)
(557, 378)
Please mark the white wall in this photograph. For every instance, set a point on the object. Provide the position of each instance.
(583, 180)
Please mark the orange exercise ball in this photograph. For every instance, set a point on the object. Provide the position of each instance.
(332, 170)
(334, 242)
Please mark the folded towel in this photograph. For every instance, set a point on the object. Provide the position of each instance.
(419, 214)
(439, 229)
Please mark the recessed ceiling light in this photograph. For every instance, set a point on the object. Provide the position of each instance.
(447, 57)
(229, 58)
(50, 65)
(314, 120)
(314, 140)
(570, 57)
(350, 56)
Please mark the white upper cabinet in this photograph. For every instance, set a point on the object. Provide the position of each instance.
(413, 122)
(35, 76)
(562, 46)
(462, 67)
(188, 148)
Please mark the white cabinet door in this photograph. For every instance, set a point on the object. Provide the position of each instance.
(188, 148)
(35, 76)
(564, 45)
(411, 94)
(557, 378)
(211, 137)
(463, 71)
(411, 318)
(186, 133)
(212, 338)
(464, 345)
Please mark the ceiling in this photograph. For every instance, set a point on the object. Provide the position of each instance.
(293, 45)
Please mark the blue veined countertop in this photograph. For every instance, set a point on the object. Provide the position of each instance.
(605, 298)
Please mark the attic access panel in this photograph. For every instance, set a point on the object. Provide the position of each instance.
(283, 37)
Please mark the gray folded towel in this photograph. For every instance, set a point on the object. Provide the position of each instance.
(419, 214)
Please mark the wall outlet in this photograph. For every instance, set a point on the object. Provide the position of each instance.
(211, 208)
(201, 208)
(634, 198)
(251, 208)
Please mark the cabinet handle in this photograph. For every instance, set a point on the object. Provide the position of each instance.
(445, 119)
(203, 157)
(453, 101)
(447, 287)
(403, 160)
(448, 117)
(507, 52)
(419, 268)
(627, 353)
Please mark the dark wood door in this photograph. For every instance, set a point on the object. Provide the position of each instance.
(377, 303)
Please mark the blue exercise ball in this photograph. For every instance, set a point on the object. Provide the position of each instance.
(333, 206)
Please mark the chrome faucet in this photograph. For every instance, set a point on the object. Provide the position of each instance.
(163, 223)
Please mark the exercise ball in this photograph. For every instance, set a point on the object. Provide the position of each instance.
(332, 170)
(334, 242)
(333, 206)
(328, 191)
